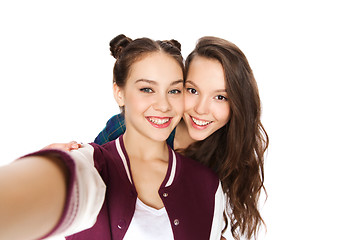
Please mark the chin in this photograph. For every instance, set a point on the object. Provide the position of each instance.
(198, 137)
(160, 137)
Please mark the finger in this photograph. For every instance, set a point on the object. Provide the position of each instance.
(73, 145)
(58, 146)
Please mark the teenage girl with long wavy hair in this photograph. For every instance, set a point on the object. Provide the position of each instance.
(235, 151)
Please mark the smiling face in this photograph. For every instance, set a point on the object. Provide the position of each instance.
(152, 96)
(206, 105)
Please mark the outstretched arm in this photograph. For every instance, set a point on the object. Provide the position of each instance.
(49, 193)
(32, 196)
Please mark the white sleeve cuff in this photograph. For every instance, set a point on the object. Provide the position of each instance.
(85, 194)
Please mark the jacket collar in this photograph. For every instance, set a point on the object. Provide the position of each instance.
(171, 171)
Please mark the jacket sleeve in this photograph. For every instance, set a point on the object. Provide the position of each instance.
(228, 211)
(115, 127)
(85, 192)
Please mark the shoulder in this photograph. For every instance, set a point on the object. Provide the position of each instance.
(195, 171)
(104, 152)
(106, 148)
(194, 166)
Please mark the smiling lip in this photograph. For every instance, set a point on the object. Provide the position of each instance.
(199, 124)
(159, 122)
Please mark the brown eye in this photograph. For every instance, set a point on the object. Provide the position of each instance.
(192, 90)
(221, 98)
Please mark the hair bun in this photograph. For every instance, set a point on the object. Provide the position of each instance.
(174, 43)
(118, 43)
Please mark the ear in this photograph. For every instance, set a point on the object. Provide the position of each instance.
(118, 95)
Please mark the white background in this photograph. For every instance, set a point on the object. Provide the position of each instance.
(56, 79)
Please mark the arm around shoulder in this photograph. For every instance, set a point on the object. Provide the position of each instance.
(115, 127)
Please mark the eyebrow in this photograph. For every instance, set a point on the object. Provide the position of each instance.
(155, 83)
(192, 83)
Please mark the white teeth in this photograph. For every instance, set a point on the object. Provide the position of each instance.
(159, 121)
(200, 122)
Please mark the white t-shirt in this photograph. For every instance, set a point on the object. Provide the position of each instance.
(149, 223)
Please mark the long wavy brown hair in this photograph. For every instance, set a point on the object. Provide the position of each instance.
(236, 151)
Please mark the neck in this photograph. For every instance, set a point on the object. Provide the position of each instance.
(182, 138)
(140, 147)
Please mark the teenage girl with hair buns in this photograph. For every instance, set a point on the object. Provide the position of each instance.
(152, 192)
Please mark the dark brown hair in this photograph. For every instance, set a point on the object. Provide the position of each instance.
(236, 151)
(128, 51)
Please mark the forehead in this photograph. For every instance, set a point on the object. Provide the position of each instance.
(156, 66)
(206, 72)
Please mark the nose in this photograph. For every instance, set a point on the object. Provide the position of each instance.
(162, 104)
(202, 106)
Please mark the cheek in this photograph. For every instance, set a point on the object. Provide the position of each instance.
(189, 102)
(178, 105)
(222, 113)
(135, 103)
